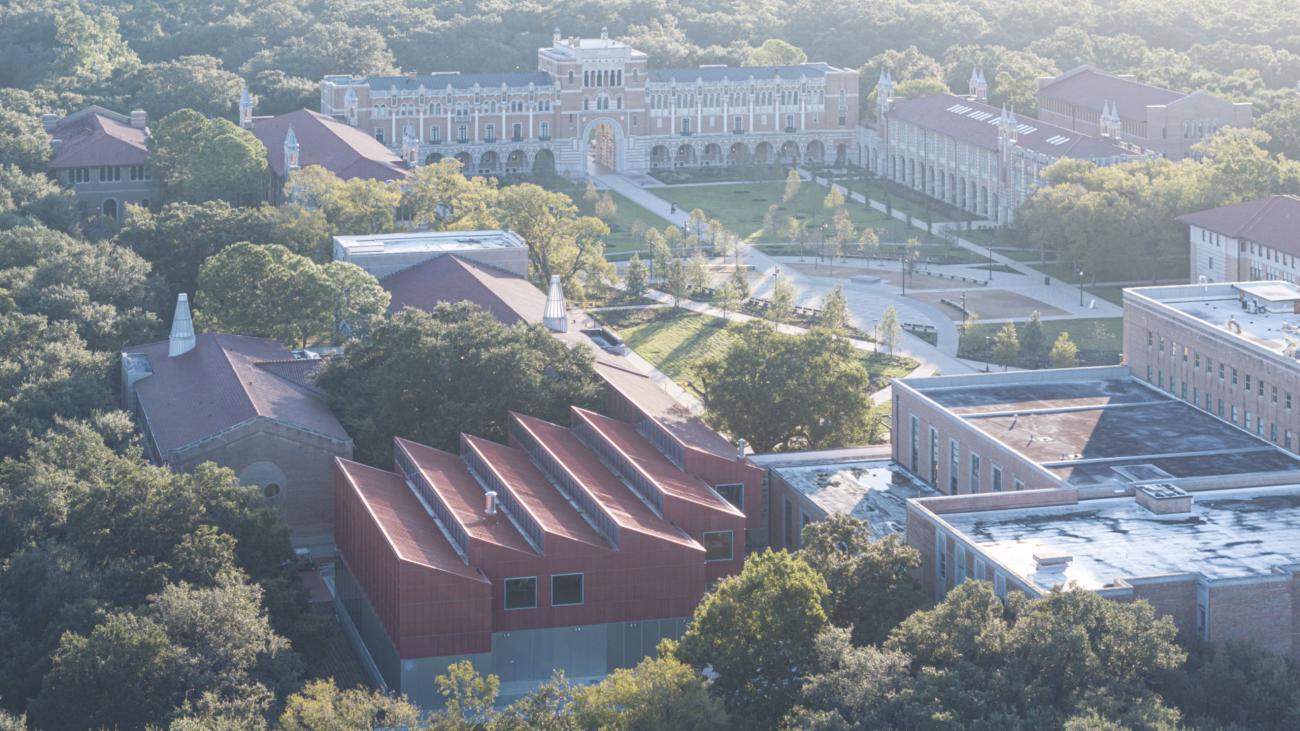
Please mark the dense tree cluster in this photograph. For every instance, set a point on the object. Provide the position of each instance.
(429, 376)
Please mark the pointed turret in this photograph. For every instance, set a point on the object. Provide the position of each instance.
(245, 109)
(979, 88)
(554, 316)
(884, 91)
(290, 151)
(410, 145)
(182, 339)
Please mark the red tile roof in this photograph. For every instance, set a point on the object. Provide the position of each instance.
(977, 124)
(654, 465)
(538, 496)
(463, 496)
(343, 150)
(219, 384)
(1273, 221)
(659, 405)
(616, 499)
(449, 278)
(1090, 88)
(96, 136)
(409, 530)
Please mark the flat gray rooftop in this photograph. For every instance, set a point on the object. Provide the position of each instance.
(1228, 534)
(1096, 431)
(429, 241)
(1263, 314)
(874, 490)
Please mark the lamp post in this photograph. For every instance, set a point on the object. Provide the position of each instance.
(1081, 288)
(990, 262)
(963, 312)
(902, 271)
(875, 336)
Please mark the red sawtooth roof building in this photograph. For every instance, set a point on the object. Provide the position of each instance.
(433, 542)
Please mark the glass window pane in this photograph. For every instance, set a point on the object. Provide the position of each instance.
(521, 593)
(566, 589)
(717, 546)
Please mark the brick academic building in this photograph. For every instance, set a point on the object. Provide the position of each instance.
(573, 547)
(1172, 479)
(598, 100)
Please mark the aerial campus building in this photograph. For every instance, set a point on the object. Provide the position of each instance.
(987, 161)
(1246, 241)
(575, 547)
(1172, 479)
(598, 100)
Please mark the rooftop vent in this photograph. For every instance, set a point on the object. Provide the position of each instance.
(1163, 498)
(490, 502)
(1052, 561)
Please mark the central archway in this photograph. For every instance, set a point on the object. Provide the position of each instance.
(603, 144)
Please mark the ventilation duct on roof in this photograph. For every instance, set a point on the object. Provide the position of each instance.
(554, 317)
(1163, 498)
(182, 338)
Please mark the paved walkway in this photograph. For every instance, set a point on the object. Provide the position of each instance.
(866, 302)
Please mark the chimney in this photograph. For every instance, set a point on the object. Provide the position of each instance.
(490, 502)
(1164, 498)
(741, 446)
(555, 317)
(182, 339)
(49, 121)
(139, 118)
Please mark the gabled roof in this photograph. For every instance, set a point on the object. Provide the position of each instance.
(977, 123)
(462, 495)
(657, 404)
(343, 150)
(643, 456)
(1089, 87)
(408, 529)
(530, 487)
(614, 498)
(1273, 221)
(738, 73)
(97, 136)
(219, 384)
(437, 82)
(449, 278)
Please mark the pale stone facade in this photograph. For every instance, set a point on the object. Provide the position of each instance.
(597, 99)
(968, 154)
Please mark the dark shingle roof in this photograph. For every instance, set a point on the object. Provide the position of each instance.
(737, 73)
(977, 124)
(1273, 221)
(343, 150)
(96, 136)
(449, 278)
(458, 81)
(220, 384)
(1091, 88)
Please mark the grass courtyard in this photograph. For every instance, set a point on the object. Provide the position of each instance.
(678, 341)
(621, 242)
(741, 207)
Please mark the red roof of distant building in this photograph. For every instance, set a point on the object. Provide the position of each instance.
(1273, 221)
(449, 278)
(659, 405)
(463, 496)
(221, 383)
(342, 149)
(409, 530)
(96, 136)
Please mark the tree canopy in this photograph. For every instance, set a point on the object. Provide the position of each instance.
(431, 376)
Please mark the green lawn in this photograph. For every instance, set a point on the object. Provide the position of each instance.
(620, 243)
(741, 207)
(678, 341)
(1099, 339)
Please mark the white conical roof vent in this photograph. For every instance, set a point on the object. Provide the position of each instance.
(182, 337)
(555, 317)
